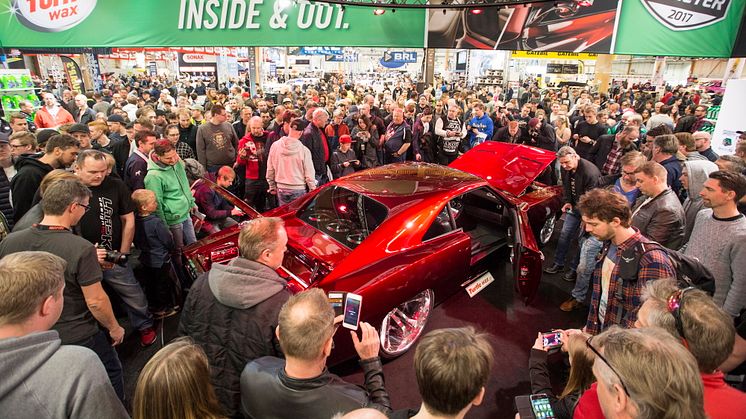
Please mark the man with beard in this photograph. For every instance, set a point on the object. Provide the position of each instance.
(252, 153)
(609, 149)
(61, 151)
(187, 130)
(398, 138)
(449, 131)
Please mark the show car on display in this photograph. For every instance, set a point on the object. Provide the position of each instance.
(407, 236)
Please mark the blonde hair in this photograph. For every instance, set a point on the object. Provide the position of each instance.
(142, 197)
(26, 280)
(100, 126)
(52, 177)
(175, 383)
(581, 365)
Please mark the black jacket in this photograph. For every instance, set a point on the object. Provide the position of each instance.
(25, 183)
(268, 393)
(189, 136)
(586, 177)
(503, 135)
(600, 151)
(231, 312)
(544, 137)
(540, 383)
(311, 138)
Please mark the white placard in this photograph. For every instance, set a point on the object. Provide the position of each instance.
(730, 118)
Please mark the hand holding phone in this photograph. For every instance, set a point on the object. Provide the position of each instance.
(353, 304)
(551, 340)
(369, 345)
(541, 406)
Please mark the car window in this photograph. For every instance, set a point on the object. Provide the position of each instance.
(347, 216)
(440, 226)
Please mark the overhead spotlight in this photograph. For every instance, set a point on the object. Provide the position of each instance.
(379, 12)
(476, 11)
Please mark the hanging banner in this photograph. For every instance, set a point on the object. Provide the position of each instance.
(95, 69)
(574, 26)
(687, 28)
(131, 23)
(74, 76)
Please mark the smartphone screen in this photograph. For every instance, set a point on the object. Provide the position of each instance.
(352, 311)
(552, 339)
(541, 407)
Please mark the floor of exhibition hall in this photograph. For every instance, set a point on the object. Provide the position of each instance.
(496, 310)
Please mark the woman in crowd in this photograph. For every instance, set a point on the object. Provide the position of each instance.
(562, 130)
(366, 142)
(579, 380)
(175, 384)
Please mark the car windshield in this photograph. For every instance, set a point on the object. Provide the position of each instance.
(347, 216)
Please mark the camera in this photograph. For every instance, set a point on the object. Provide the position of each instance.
(115, 256)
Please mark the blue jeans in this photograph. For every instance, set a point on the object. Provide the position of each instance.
(100, 344)
(569, 231)
(183, 234)
(589, 249)
(285, 196)
(122, 280)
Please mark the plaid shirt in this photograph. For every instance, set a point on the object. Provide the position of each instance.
(613, 164)
(184, 151)
(623, 299)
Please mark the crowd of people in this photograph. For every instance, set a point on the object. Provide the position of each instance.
(95, 185)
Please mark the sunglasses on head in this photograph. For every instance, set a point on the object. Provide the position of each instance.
(606, 361)
(675, 304)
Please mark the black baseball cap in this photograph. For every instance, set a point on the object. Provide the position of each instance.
(79, 128)
(115, 118)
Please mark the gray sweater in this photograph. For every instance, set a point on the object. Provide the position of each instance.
(44, 379)
(216, 144)
(721, 246)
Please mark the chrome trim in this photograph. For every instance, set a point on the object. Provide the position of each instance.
(294, 276)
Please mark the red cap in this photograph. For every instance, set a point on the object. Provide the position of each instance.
(533, 122)
(345, 139)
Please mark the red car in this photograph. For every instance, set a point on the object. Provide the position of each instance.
(407, 236)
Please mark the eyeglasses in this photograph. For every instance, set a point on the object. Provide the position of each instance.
(87, 207)
(602, 358)
(675, 303)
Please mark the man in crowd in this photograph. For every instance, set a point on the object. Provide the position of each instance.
(7, 172)
(692, 317)
(397, 139)
(27, 111)
(587, 132)
(449, 131)
(234, 308)
(52, 115)
(83, 114)
(22, 143)
(609, 149)
(18, 122)
(43, 378)
(99, 139)
(301, 385)
(511, 133)
(167, 178)
(217, 210)
(82, 133)
(241, 126)
(216, 141)
(646, 373)
(315, 139)
(109, 223)
(719, 238)
(659, 216)
(61, 151)
(137, 164)
(290, 167)
(448, 390)
(622, 270)
(187, 130)
(171, 133)
(665, 149)
(578, 177)
(480, 126)
(117, 128)
(703, 141)
(86, 304)
(537, 134)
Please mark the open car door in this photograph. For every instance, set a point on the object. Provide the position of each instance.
(526, 257)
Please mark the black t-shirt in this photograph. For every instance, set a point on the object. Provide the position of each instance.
(592, 131)
(76, 321)
(101, 224)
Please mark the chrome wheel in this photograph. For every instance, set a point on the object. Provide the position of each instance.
(404, 324)
(546, 231)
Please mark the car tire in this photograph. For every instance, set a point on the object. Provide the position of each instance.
(403, 325)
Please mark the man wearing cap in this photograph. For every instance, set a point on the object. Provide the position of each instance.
(82, 133)
(343, 161)
(52, 115)
(539, 135)
(117, 128)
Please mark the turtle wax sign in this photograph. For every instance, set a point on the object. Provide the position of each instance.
(687, 28)
(679, 15)
(52, 15)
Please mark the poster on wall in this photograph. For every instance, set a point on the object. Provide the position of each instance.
(575, 26)
(678, 28)
(730, 118)
(74, 76)
(92, 23)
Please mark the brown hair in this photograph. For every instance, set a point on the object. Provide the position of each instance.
(175, 383)
(162, 147)
(24, 137)
(731, 181)
(687, 140)
(660, 374)
(145, 123)
(633, 158)
(452, 366)
(653, 169)
(61, 194)
(581, 365)
(141, 136)
(306, 323)
(605, 205)
(26, 280)
(661, 129)
(667, 143)
(99, 125)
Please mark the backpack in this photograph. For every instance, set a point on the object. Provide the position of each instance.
(690, 272)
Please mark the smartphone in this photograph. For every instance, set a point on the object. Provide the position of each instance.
(336, 299)
(552, 339)
(353, 303)
(541, 406)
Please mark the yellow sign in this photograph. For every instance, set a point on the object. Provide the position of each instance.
(544, 55)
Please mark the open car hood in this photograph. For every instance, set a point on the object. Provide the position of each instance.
(507, 167)
(243, 206)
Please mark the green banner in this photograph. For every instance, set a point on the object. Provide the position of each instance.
(687, 28)
(154, 23)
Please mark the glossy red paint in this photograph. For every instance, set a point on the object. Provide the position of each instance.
(393, 263)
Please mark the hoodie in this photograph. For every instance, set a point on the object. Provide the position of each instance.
(697, 173)
(289, 166)
(23, 186)
(231, 312)
(171, 188)
(44, 379)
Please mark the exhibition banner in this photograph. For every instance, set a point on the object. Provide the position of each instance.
(577, 26)
(687, 28)
(147, 23)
